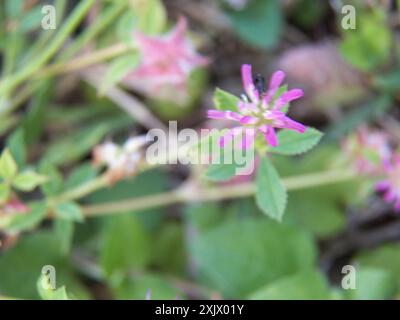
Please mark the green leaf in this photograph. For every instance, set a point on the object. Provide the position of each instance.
(14, 8)
(35, 117)
(32, 19)
(28, 180)
(29, 220)
(152, 16)
(46, 293)
(270, 194)
(8, 166)
(241, 256)
(318, 210)
(80, 175)
(118, 69)
(204, 216)
(69, 211)
(293, 143)
(372, 284)
(386, 257)
(64, 230)
(21, 265)
(169, 250)
(16, 145)
(225, 101)
(220, 172)
(302, 286)
(54, 184)
(126, 246)
(124, 26)
(137, 288)
(369, 45)
(4, 193)
(259, 23)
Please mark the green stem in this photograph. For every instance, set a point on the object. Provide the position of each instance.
(84, 61)
(82, 190)
(190, 193)
(70, 25)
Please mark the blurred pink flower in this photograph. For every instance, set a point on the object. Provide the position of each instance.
(368, 150)
(166, 60)
(14, 205)
(260, 109)
(390, 186)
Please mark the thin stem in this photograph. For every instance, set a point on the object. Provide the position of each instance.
(84, 61)
(190, 193)
(82, 190)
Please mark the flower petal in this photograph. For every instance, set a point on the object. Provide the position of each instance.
(288, 96)
(382, 185)
(177, 34)
(221, 114)
(389, 196)
(276, 81)
(270, 135)
(248, 120)
(294, 125)
(248, 83)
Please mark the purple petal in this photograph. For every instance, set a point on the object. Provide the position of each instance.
(248, 120)
(382, 186)
(215, 114)
(288, 96)
(294, 125)
(389, 196)
(270, 135)
(276, 81)
(220, 114)
(248, 83)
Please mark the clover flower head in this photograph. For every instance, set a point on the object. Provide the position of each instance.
(261, 109)
(368, 150)
(390, 186)
(166, 60)
(121, 161)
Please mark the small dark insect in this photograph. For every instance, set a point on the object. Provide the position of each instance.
(259, 83)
